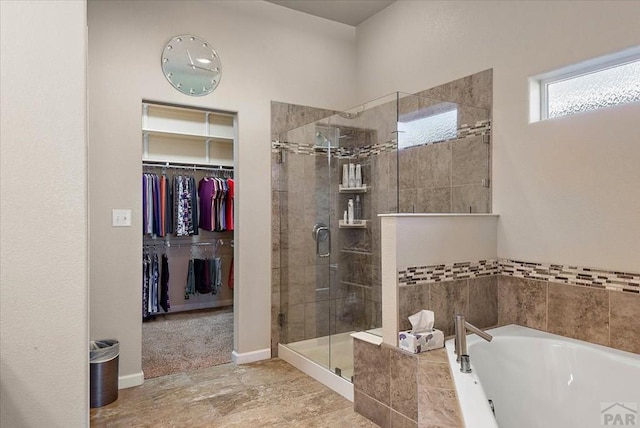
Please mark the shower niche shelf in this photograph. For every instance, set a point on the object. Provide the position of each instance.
(360, 252)
(344, 225)
(362, 189)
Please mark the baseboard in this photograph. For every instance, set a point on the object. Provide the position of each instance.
(201, 305)
(250, 357)
(131, 380)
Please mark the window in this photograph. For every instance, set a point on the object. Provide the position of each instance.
(602, 82)
(431, 129)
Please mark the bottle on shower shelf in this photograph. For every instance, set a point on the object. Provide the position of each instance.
(358, 181)
(357, 210)
(352, 175)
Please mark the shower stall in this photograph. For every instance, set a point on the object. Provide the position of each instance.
(330, 267)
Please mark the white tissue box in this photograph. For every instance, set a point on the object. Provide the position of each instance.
(420, 342)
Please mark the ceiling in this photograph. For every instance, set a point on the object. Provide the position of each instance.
(350, 12)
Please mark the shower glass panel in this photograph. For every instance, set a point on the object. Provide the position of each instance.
(414, 156)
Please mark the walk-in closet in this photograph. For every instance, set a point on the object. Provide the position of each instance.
(188, 192)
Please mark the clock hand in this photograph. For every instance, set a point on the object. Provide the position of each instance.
(190, 59)
(203, 68)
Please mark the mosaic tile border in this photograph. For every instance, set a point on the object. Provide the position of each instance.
(562, 274)
(448, 272)
(573, 275)
(480, 128)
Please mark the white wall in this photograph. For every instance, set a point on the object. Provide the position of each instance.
(566, 189)
(44, 349)
(268, 53)
(427, 240)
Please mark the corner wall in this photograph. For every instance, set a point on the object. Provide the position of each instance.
(268, 52)
(565, 189)
(44, 351)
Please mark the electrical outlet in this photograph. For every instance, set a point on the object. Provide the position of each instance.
(121, 218)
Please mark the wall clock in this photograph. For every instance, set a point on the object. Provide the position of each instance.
(191, 65)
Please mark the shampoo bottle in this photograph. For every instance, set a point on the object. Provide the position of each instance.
(350, 211)
(352, 175)
(345, 175)
(357, 210)
(358, 175)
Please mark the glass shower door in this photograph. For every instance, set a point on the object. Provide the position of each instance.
(306, 233)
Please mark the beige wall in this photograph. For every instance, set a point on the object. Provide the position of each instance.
(43, 279)
(566, 189)
(268, 53)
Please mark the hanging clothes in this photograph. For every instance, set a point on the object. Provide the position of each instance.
(155, 284)
(230, 282)
(204, 276)
(186, 205)
(215, 205)
(156, 212)
(230, 196)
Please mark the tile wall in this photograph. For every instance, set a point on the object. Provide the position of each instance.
(594, 305)
(394, 388)
(447, 177)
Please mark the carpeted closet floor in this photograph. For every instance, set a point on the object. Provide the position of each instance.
(187, 341)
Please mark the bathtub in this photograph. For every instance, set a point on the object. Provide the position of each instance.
(541, 380)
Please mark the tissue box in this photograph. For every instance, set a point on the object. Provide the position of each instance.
(420, 342)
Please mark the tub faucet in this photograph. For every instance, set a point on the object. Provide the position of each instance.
(461, 341)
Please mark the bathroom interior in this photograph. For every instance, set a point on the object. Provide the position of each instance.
(536, 220)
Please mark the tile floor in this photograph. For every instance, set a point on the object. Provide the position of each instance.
(269, 393)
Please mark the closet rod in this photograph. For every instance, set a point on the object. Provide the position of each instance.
(188, 166)
(218, 242)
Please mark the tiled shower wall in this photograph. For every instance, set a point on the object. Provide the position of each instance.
(285, 117)
(447, 177)
(450, 176)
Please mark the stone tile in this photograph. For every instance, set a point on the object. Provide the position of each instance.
(259, 417)
(446, 300)
(401, 421)
(407, 200)
(433, 163)
(438, 408)
(434, 374)
(436, 356)
(579, 312)
(469, 161)
(440, 92)
(317, 320)
(292, 285)
(312, 405)
(434, 200)
(407, 168)
(411, 299)
(371, 409)
(371, 370)
(472, 198)
(343, 418)
(236, 401)
(483, 301)
(625, 322)
(522, 301)
(404, 389)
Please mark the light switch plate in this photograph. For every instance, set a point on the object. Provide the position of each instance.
(121, 218)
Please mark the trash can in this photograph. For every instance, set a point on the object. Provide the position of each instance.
(103, 363)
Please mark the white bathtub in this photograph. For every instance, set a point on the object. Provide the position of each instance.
(541, 380)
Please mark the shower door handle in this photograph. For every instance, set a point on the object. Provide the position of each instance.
(322, 233)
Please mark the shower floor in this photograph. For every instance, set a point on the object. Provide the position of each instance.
(333, 352)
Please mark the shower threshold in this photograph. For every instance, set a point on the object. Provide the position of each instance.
(312, 356)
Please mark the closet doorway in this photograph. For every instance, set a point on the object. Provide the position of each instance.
(188, 238)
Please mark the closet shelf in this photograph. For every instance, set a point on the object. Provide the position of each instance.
(187, 135)
(362, 225)
(154, 163)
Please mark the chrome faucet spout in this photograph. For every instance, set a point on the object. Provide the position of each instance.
(461, 341)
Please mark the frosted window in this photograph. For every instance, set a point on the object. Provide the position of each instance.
(430, 129)
(599, 89)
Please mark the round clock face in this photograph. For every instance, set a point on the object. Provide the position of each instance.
(191, 65)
